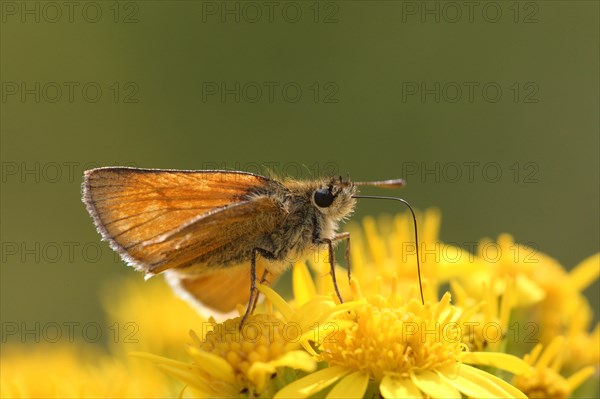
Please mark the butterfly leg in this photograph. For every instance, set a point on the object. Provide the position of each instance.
(345, 236)
(331, 254)
(253, 291)
(329, 244)
(263, 279)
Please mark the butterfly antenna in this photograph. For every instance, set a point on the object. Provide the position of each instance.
(393, 184)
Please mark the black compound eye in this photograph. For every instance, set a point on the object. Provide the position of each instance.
(323, 197)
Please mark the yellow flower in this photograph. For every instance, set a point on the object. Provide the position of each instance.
(585, 273)
(136, 307)
(583, 347)
(80, 370)
(563, 303)
(77, 371)
(505, 258)
(382, 341)
(546, 381)
(546, 293)
(385, 247)
(407, 349)
(486, 322)
(256, 359)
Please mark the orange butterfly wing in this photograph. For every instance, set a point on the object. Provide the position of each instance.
(162, 219)
(219, 290)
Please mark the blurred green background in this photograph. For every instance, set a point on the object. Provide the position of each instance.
(427, 91)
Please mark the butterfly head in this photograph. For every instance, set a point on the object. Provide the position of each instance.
(333, 198)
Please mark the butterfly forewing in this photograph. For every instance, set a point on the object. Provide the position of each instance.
(211, 232)
(160, 219)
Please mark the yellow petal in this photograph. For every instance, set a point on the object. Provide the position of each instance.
(375, 243)
(580, 376)
(260, 371)
(506, 304)
(527, 291)
(512, 391)
(320, 332)
(304, 287)
(306, 345)
(551, 351)
(325, 282)
(313, 311)
(319, 262)
(471, 383)
(215, 366)
(312, 383)
(431, 225)
(351, 386)
(499, 360)
(534, 354)
(392, 387)
(297, 360)
(433, 385)
(506, 242)
(158, 359)
(200, 386)
(586, 272)
(180, 370)
(448, 267)
(276, 300)
(459, 292)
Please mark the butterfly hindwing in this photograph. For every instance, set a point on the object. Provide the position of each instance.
(220, 290)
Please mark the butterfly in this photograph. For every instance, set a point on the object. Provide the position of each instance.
(212, 232)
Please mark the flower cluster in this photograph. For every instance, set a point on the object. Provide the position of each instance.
(501, 320)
